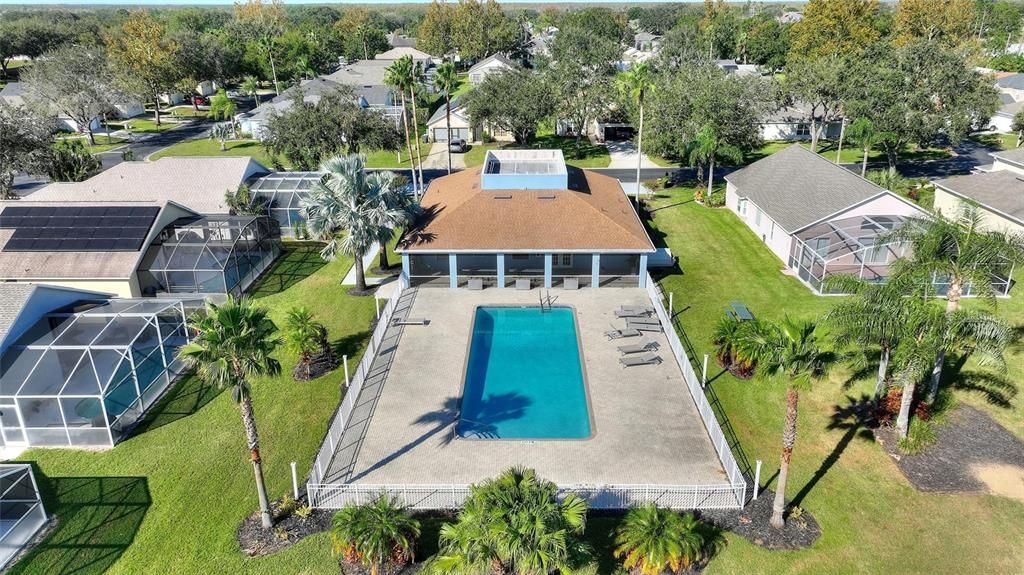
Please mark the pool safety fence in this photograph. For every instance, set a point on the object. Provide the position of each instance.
(730, 495)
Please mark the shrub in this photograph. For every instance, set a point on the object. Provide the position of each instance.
(920, 434)
(70, 161)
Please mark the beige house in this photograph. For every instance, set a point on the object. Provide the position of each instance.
(999, 193)
(462, 126)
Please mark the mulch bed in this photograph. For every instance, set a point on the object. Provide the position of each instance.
(320, 364)
(255, 541)
(751, 523)
(966, 439)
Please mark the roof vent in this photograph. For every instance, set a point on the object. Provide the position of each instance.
(546, 197)
(503, 197)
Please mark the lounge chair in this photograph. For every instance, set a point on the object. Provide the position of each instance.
(621, 333)
(644, 320)
(644, 327)
(641, 347)
(646, 359)
(476, 284)
(631, 313)
(571, 283)
(523, 284)
(410, 321)
(643, 308)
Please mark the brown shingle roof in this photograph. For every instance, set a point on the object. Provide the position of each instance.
(594, 214)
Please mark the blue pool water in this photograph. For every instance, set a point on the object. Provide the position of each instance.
(524, 378)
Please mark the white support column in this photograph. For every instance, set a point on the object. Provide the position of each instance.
(595, 271)
(501, 270)
(547, 270)
(405, 266)
(453, 271)
(643, 270)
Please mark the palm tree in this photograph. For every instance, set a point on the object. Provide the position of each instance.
(637, 83)
(890, 179)
(875, 315)
(705, 147)
(788, 349)
(397, 77)
(514, 524)
(250, 85)
(962, 253)
(653, 540)
(222, 132)
(352, 211)
(1018, 126)
(447, 80)
(233, 343)
(374, 534)
(242, 202)
(415, 79)
(726, 337)
(863, 132)
(363, 31)
(306, 336)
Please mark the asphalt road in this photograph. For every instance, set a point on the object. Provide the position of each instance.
(155, 142)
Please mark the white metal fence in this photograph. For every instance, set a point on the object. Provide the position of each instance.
(729, 495)
(693, 383)
(344, 411)
(336, 496)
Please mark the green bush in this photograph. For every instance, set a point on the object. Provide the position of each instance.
(921, 434)
(70, 161)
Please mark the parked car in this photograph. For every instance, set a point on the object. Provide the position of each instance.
(198, 100)
(458, 146)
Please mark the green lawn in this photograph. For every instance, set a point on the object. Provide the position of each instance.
(827, 149)
(144, 125)
(997, 141)
(170, 499)
(389, 159)
(187, 111)
(207, 147)
(477, 152)
(103, 143)
(872, 520)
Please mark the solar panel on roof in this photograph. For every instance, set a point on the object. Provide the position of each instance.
(77, 229)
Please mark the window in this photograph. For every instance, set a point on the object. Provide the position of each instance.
(741, 206)
(874, 254)
(757, 216)
(520, 257)
(561, 260)
(475, 78)
(803, 130)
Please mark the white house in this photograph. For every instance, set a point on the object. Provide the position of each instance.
(14, 94)
(817, 217)
(489, 65)
(462, 126)
(998, 194)
(1002, 120)
(793, 123)
(403, 51)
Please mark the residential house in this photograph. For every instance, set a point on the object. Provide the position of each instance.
(365, 79)
(793, 123)
(1011, 85)
(732, 67)
(397, 40)
(789, 17)
(462, 125)
(489, 65)
(998, 194)
(525, 219)
(140, 229)
(1002, 120)
(403, 51)
(646, 42)
(817, 217)
(15, 94)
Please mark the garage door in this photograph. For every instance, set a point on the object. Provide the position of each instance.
(441, 134)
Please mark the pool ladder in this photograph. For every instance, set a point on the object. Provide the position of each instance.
(545, 302)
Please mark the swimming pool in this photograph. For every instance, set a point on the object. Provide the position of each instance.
(524, 376)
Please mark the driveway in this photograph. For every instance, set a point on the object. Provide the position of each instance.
(624, 155)
(437, 158)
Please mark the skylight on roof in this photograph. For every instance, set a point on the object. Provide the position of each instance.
(524, 170)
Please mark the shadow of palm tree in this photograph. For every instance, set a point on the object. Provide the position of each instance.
(448, 418)
(995, 388)
(350, 345)
(854, 417)
(99, 517)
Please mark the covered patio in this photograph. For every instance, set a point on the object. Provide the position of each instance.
(547, 270)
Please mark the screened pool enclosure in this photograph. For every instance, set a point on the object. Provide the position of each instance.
(21, 509)
(210, 255)
(83, 375)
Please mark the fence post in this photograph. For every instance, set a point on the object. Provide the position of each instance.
(295, 482)
(670, 305)
(757, 478)
(376, 303)
(704, 374)
(344, 360)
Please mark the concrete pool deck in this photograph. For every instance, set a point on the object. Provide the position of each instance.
(646, 427)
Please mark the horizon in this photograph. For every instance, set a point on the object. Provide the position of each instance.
(178, 3)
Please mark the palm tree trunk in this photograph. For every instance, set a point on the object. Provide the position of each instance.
(157, 110)
(883, 368)
(864, 162)
(639, 150)
(273, 68)
(933, 388)
(448, 124)
(814, 134)
(778, 520)
(360, 276)
(253, 441)
(416, 130)
(903, 420)
(711, 179)
(383, 259)
(408, 143)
